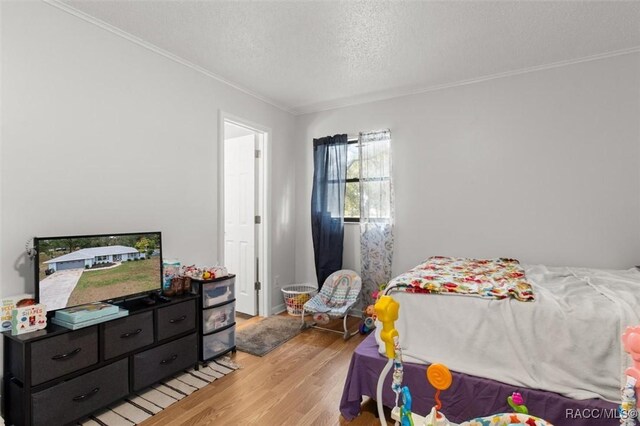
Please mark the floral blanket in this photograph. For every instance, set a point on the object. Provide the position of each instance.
(489, 278)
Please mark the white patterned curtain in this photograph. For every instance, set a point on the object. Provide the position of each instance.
(376, 211)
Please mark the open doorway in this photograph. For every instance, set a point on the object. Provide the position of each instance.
(243, 199)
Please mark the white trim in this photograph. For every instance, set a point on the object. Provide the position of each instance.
(391, 94)
(278, 309)
(264, 240)
(3, 289)
(152, 47)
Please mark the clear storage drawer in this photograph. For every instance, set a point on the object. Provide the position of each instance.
(216, 343)
(218, 292)
(217, 318)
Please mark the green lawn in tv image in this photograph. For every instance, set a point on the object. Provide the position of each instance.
(81, 270)
(128, 278)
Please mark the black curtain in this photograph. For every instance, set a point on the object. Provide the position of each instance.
(327, 203)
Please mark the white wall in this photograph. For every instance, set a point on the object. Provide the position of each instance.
(542, 166)
(101, 135)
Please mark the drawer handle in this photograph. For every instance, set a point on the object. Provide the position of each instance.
(180, 319)
(62, 357)
(130, 334)
(169, 360)
(86, 395)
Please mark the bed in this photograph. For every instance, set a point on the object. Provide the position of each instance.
(564, 346)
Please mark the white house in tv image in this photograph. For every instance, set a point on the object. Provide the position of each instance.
(87, 257)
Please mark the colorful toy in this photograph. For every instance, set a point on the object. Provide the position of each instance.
(438, 376)
(631, 343)
(204, 272)
(387, 310)
(516, 402)
(628, 403)
(369, 322)
(406, 419)
(321, 318)
(629, 400)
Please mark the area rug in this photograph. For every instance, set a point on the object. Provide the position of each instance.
(142, 405)
(268, 334)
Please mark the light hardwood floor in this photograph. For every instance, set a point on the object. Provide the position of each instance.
(299, 383)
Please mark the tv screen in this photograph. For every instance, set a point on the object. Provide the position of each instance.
(75, 270)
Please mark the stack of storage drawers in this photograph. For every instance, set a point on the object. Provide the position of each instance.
(218, 312)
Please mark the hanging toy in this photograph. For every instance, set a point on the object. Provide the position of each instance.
(406, 418)
(516, 402)
(440, 378)
(321, 318)
(628, 403)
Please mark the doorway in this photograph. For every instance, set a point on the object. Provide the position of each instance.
(243, 176)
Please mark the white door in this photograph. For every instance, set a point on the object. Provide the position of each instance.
(239, 216)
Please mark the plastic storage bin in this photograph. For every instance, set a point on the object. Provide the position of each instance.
(216, 293)
(217, 318)
(216, 343)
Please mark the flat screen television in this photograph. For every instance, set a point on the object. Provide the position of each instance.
(74, 270)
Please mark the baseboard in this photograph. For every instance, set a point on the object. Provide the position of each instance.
(278, 309)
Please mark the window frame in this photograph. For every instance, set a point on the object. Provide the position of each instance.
(352, 180)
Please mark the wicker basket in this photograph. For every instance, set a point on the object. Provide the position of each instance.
(296, 295)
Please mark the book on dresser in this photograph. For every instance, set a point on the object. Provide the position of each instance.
(119, 312)
(86, 312)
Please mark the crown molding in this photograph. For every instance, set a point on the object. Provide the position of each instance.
(336, 103)
(152, 47)
(398, 93)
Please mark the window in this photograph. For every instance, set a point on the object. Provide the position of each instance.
(376, 179)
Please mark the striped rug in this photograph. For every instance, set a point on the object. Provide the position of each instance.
(140, 406)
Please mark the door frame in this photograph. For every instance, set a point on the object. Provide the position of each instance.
(263, 235)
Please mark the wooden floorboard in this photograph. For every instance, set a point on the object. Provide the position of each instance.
(299, 383)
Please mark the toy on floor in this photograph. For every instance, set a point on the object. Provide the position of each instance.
(369, 322)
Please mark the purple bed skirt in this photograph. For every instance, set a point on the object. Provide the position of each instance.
(467, 398)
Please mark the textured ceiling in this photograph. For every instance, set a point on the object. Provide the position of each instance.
(310, 55)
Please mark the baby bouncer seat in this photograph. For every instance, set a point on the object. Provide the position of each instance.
(336, 298)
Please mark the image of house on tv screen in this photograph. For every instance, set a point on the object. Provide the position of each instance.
(73, 271)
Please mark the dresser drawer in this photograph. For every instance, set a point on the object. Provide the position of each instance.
(54, 357)
(176, 319)
(155, 364)
(215, 344)
(218, 292)
(83, 395)
(216, 318)
(127, 334)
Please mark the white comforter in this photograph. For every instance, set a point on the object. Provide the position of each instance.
(567, 341)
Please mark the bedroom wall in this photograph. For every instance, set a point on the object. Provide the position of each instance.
(542, 166)
(101, 135)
